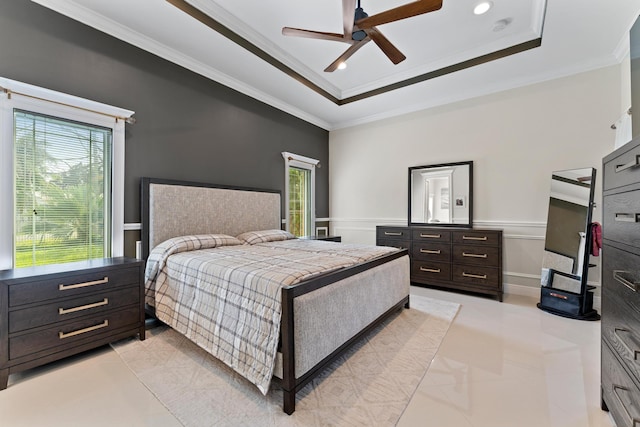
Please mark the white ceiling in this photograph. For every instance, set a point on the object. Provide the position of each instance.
(576, 35)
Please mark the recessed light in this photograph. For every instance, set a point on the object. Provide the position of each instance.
(482, 7)
(342, 66)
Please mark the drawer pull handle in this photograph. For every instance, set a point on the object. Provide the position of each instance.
(62, 287)
(430, 236)
(618, 277)
(430, 270)
(389, 233)
(63, 335)
(429, 251)
(483, 238)
(631, 164)
(626, 217)
(474, 255)
(475, 276)
(83, 307)
(616, 387)
(624, 344)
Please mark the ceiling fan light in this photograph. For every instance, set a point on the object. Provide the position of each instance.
(482, 7)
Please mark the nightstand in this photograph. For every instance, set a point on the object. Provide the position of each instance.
(327, 238)
(54, 311)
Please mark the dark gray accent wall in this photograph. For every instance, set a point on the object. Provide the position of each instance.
(189, 127)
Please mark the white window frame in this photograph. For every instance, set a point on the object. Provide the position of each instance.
(18, 95)
(300, 162)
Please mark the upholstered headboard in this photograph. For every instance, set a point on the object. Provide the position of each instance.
(178, 208)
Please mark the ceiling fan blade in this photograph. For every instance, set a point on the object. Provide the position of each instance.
(348, 8)
(347, 54)
(298, 32)
(401, 12)
(386, 46)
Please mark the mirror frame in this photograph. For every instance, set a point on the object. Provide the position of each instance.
(584, 273)
(469, 224)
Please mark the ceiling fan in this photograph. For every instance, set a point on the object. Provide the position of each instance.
(360, 28)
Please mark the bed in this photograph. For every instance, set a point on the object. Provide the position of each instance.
(221, 272)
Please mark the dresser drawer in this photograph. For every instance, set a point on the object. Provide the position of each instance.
(431, 235)
(71, 333)
(621, 305)
(400, 244)
(476, 275)
(396, 233)
(623, 169)
(488, 256)
(71, 285)
(426, 271)
(68, 309)
(619, 391)
(476, 237)
(621, 332)
(440, 252)
(621, 217)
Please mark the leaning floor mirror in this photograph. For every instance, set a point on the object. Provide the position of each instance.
(567, 247)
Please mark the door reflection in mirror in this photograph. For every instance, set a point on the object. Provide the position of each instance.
(441, 195)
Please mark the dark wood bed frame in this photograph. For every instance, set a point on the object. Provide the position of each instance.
(289, 383)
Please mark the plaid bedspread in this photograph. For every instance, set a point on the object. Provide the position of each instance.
(357, 252)
(228, 299)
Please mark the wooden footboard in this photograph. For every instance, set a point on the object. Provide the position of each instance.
(362, 276)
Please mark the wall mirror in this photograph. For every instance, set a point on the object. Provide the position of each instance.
(565, 261)
(441, 195)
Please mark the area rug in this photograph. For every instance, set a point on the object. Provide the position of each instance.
(371, 385)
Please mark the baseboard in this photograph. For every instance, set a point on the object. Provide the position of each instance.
(527, 291)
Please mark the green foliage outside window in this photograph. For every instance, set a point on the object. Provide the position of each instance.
(62, 173)
(299, 214)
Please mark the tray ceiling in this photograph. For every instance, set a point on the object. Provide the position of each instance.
(451, 53)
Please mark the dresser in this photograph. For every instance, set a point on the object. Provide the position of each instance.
(54, 311)
(620, 380)
(453, 258)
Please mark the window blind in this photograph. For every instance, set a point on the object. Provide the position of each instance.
(62, 190)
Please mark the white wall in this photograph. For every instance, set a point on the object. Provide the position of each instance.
(515, 138)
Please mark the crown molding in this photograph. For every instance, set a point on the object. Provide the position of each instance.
(82, 14)
(73, 10)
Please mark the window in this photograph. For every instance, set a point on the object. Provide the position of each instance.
(62, 173)
(300, 194)
(61, 177)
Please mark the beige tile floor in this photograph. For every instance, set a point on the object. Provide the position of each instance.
(501, 364)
